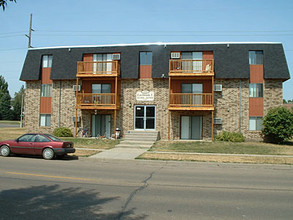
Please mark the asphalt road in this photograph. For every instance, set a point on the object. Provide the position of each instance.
(33, 188)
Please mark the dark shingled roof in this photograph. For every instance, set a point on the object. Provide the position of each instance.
(231, 59)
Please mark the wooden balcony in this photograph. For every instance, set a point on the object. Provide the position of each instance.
(98, 68)
(97, 101)
(190, 101)
(191, 67)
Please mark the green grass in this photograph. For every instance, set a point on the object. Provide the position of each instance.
(92, 142)
(224, 147)
(9, 122)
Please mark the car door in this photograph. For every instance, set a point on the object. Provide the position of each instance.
(24, 144)
(40, 142)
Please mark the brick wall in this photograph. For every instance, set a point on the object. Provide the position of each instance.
(129, 88)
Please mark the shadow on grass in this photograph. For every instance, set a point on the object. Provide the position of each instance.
(54, 202)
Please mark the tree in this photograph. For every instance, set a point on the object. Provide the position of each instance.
(17, 103)
(5, 105)
(284, 101)
(3, 3)
(278, 125)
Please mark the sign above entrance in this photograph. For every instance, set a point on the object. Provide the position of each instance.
(145, 96)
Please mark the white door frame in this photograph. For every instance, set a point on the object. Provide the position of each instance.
(144, 118)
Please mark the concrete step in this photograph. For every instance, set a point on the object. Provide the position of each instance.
(141, 138)
(141, 135)
(144, 142)
(138, 139)
(133, 146)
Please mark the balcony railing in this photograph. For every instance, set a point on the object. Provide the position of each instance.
(98, 68)
(96, 100)
(191, 67)
(190, 100)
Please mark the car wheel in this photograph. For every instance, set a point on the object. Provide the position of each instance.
(48, 154)
(5, 150)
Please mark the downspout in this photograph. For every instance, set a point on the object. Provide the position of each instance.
(59, 112)
(240, 86)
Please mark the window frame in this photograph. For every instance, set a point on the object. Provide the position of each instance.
(257, 126)
(145, 58)
(47, 122)
(46, 90)
(255, 57)
(256, 90)
(47, 61)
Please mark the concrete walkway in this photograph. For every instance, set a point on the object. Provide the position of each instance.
(120, 153)
(134, 144)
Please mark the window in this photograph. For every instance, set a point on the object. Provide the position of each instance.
(47, 61)
(26, 138)
(103, 63)
(46, 90)
(255, 57)
(41, 138)
(101, 88)
(255, 123)
(145, 58)
(192, 61)
(45, 120)
(255, 90)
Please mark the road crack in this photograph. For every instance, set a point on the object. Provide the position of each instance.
(136, 191)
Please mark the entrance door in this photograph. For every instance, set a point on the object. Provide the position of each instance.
(145, 117)
(101, 125)
(191, 127)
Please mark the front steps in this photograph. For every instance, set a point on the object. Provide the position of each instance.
(138, 139)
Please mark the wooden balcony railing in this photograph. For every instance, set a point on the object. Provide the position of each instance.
(96, 100)
(191, 67)
(98, 68)
(190, 100)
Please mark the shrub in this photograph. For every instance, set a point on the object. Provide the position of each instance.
(62, 132)
(230, 136)
(278, 125)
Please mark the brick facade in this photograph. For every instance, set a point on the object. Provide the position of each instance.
(227, 107)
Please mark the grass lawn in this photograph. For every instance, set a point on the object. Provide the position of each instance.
(9, 122)
(258, 148)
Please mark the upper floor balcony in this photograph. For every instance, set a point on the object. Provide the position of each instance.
(105, 101)
(98, 68)
(180, 67)
(191, 101)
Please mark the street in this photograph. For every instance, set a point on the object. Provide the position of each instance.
(84, 188)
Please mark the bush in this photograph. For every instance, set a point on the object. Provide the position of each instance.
(230, 136)
(278, 125)
(63, 132)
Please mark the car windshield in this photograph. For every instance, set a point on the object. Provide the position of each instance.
(53, 137)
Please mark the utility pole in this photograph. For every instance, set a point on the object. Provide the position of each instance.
(29, 36)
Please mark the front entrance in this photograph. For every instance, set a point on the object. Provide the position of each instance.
(101, 125)
(145, 117)
(191, 127)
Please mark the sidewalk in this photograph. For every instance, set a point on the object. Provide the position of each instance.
(120, 153)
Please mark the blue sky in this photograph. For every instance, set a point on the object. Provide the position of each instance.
(93, 22)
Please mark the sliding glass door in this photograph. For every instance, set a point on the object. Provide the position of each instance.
(191, 127)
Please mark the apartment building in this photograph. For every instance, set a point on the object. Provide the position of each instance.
(182, 90)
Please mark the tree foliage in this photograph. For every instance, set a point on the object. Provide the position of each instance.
(5, 101)
(278, 125)
(17, 103)
(3, 3)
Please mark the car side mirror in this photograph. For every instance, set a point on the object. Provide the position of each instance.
(17, 140)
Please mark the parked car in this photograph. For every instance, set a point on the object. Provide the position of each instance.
(46, 145)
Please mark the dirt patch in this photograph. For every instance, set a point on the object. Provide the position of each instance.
(218, 158)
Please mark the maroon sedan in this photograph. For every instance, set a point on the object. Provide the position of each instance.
(46, 145)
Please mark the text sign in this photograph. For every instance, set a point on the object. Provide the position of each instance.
(145, 96)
